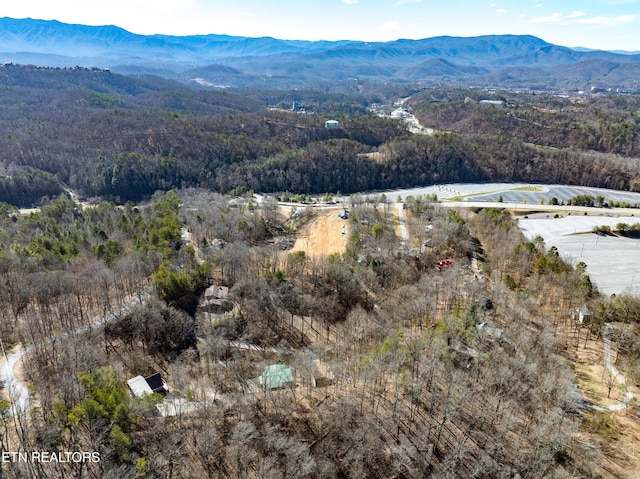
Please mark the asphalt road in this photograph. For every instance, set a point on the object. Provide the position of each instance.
(18, 392)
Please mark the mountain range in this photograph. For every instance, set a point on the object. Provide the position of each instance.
(230, 61)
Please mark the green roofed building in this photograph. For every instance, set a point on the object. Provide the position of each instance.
(276, 376)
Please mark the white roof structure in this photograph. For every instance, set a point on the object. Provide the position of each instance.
(139, 386)
(177, 406)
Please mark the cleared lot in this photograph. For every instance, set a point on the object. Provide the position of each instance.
(532, 194)
(323, 236)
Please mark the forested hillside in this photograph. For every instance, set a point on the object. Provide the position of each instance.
(394, 373)
(110, 136)
(602, 123)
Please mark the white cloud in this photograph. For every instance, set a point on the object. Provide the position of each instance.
(554, 18)
(501, 10)
(580, 18)
(404, 2)
(539, 5)
(607, 21)
(350, 2)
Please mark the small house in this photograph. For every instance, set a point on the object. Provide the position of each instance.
(215, 297)
(141, 386)
(490, 330)
(216, 292)
(492, 102)
(331, 124)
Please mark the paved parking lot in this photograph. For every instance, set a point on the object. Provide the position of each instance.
(514, 192)
(518, 194)
(613, 263)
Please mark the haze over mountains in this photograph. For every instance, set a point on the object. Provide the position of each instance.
(229, 61)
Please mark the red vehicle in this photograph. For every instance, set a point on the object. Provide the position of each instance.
(444, 263)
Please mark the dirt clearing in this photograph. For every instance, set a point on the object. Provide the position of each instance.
(323, 235)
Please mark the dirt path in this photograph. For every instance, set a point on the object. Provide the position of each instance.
(403, 228)
(622, 456)
(323, 235)
(619, 378)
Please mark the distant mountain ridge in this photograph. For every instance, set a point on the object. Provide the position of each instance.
(295, 63)
(111, 42)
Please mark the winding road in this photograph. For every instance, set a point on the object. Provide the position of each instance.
(18, 392)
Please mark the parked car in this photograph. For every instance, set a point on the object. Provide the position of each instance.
(444, 263)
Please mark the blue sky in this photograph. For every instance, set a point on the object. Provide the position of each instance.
(605, 24)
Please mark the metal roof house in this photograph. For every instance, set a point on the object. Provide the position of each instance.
(491, 331)
(332, 124)
(492, 102)
(216, 292)
(276, 376)
(140, 386)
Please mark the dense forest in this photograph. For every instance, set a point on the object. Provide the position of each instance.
(122, 138)
(603, 123)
